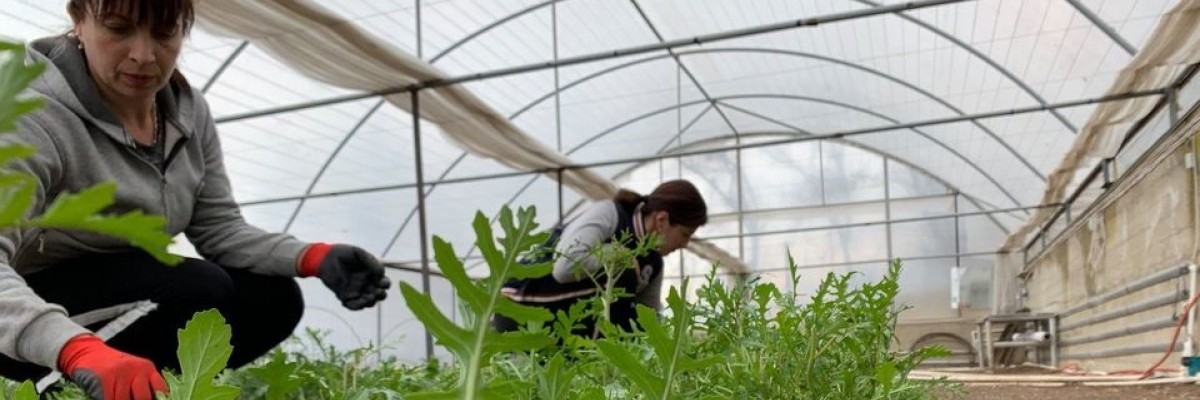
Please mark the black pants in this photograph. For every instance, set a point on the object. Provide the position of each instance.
(262, 311)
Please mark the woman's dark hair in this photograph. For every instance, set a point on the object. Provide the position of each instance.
(679, 198)
(160, 15)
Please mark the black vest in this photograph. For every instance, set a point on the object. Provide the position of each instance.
(549, 293)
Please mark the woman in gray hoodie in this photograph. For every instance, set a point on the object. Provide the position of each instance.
(117, 109)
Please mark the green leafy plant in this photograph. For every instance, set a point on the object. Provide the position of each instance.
(474, 345)
(203, 352)
(670, 350)
(22, 391)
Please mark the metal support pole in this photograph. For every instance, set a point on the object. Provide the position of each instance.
(1189, 342)
(887, 210)
(679, 143)
(957, 255)
(423, 217)
(821, 169)
(737, 139)
(1053, 341)
(989, 351)
(557, 106)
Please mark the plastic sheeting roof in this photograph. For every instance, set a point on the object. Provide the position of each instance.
(345, 171)
(951, 60)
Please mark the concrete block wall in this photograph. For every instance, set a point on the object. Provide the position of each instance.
(1147, 228)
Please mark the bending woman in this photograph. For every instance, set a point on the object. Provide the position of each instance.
(673, 212)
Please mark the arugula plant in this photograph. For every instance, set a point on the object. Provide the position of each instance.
(474, 345)
(203, 352)
(670, 343)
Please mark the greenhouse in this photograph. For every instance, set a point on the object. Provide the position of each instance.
(1030, 163)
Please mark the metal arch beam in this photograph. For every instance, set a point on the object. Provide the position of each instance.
(802, 98)
(844, 63)
(224, 64)
(798, 132)
(329, 161)
(988, 60)
(685, 148)
(495, 24)
(1104, 27)
(679, 63)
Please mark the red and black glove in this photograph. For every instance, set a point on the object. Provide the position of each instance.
(107, 374)
(354, 275)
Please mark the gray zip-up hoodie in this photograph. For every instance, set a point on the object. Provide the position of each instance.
(81, 143)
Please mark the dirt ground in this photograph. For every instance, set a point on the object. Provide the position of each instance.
(1156, 392)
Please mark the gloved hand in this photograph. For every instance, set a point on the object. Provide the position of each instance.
(106, 373)
(354, 275)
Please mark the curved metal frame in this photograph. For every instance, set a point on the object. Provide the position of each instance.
(983, 57)
(678, 55)
(803, 98)
(927, 26)
(848, 64)
(972, 199)
(1108, 30)
(332, 156)
(666, 152)
(212, 80)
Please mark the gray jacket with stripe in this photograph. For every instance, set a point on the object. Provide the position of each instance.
(80, 144)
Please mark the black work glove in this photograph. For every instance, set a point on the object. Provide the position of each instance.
(353, 274)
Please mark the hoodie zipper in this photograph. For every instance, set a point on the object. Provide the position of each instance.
(162, 175)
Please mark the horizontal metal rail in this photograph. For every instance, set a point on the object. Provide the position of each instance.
(1153, 325)
(1148, 304)
(1123, 351)
(1156, 278)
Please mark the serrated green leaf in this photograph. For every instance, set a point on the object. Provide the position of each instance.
(15, 76)
(78, 211)
(15, 151)
(487, 245)
(452, 269)
(8, 118)
(25, 391)
(203, 352)
(522, 313)
(526, 271)
(81, 205)
(16, 196)
(885, 373)
(554, 382)
(504, 390)
(514, 341)
(442, 395)
(629, 366)
(278, 376)
(455, 339)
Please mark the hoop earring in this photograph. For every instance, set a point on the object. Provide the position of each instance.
(75, 36)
